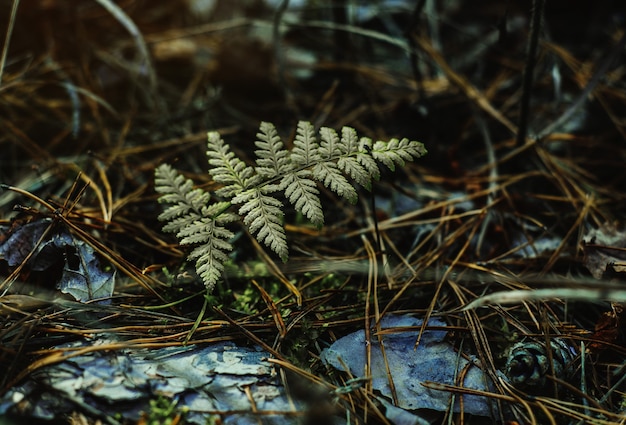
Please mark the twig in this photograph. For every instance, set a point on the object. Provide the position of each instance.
(527, 82)
(493, 176)
(5, 49)
(470, 91)
(140, 43)
(591, 85)
(276, 40)
(417, 74)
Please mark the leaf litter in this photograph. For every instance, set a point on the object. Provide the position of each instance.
(83, 276)
(448, 75)
(434, 359)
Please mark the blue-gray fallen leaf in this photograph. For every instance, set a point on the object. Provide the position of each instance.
(206, 380)
(82, 276)
(434, 360)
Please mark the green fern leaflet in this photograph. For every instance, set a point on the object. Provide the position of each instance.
(336, 162)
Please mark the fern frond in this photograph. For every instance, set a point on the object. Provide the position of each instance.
(278, 170)
(328, 173)
(348, 163)
(211, 255)
(364, 157)
(303, 194)
(195, 222)
(330, 145)
(349, 141)
(264, 217)
(177, 224)
(179, 192)
(305, 150)
(210, 259)
(272, 157)
(208, 226)
(352, 167)
(397, 152)
(227, 168)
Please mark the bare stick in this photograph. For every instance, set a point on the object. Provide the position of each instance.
(535, 28)
(5, 49)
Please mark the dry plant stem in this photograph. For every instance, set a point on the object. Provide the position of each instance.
(374, 35)
(371, 287)
(574, 294)
(621, 372)
(249, 334)
(372, 280)
(529, 69)
(480, 342)
(471, 92)
(444, 278)
(413, 58)
(140, 43)
(7, 38)
(276, 271)
(72, 93)
(278, 46)
(589, 88)
(274, 311)
(493, 177)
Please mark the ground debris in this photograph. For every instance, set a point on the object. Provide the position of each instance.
(605, 251)
(434, 360)
(203, 381)
(82, 275)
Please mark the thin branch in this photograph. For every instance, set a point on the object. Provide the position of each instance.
(591, 85)
(7, 39)
(531, 60)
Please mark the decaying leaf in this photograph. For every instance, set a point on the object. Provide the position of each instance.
(82, 275)
(213, 379)
(434, 360)
(605, 250)
(609, 329)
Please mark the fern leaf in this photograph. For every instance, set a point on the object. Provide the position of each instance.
(397, 152)
(210, 259)
(209, 226)
(330, 146)
(272, 157)
(264, 216)
(213, 238)
(294, 172)
(227, 168)
(303, 194)
(364, 157)
(177, 224)
(349, 141)
(328, 173)
(179, 192)
(195, 222)
(305, 150)
(173, 211)
(352, 167)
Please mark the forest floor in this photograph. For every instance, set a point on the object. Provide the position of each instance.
(511, 229)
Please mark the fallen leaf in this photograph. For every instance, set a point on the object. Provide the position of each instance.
(608, 329)
(82, 276)
(605, 250)
(434, 360)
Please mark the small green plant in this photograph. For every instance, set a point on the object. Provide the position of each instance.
(198, 220)
(164, 411)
